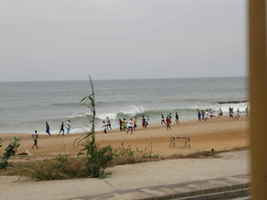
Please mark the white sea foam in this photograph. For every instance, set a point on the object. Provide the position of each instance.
(225, 107)
(131, 110)
(77, 115)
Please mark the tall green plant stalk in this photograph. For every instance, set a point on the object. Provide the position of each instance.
(97, 158)
(90, 102)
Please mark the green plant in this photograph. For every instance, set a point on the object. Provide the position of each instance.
(90, 102)
(64, 167)
(126, 154)
(9, 151)
(97, 158)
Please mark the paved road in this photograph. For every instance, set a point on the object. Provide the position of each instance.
(136, 181)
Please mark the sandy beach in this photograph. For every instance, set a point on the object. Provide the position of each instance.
(219, 134)
(150, 178)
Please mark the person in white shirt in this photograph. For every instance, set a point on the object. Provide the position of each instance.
(68, 126)
(130, 125)
(35, 140)
(206, 116)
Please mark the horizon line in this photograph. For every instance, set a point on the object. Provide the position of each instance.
(124, 79)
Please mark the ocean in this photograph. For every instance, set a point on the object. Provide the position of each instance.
(25, 106)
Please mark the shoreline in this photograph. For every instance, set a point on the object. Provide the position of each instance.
(151, 126)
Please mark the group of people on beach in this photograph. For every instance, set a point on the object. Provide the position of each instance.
(128, 125)
(237, 116)
(167, 122)
(204, 115)
(65, 127)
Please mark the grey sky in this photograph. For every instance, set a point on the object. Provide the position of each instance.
(67, 39)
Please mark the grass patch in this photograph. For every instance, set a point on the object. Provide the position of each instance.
(126, 154)
(82, 166)
(62, 167)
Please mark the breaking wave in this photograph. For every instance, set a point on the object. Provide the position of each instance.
(139, 111)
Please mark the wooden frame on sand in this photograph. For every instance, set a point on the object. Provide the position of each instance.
(258, 97)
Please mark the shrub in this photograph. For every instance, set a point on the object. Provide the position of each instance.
(91, 163)
(63, 167)
(9, 151)
(127, 154)
(97, 158)
(94, 163)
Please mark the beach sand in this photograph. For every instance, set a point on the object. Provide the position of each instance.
(219, 134)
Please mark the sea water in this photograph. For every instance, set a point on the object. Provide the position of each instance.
(25, 106)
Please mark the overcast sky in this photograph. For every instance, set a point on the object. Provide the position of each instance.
(114, 39)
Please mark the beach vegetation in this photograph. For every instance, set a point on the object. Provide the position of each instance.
(91, 104)
(9, 151)
(91, 162)
(67, 167)
(97, 158)
(62, 167)
(126, 154)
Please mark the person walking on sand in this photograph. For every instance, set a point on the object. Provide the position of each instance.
(108, 124)
(47, 128)
(168, 122)
(198, 115)
(170, 118)
(238, 114)
(134, 123)
(162, 122)
(202, 115)
(68, 126)
(62, 130)
(130, 126)
(123, 124)
(206, 115)
(105, 126)
(143, 121)
(220, 112)
(120, 124)
(231, 112)
(35, 140)
(147, 121)
(176, 118)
